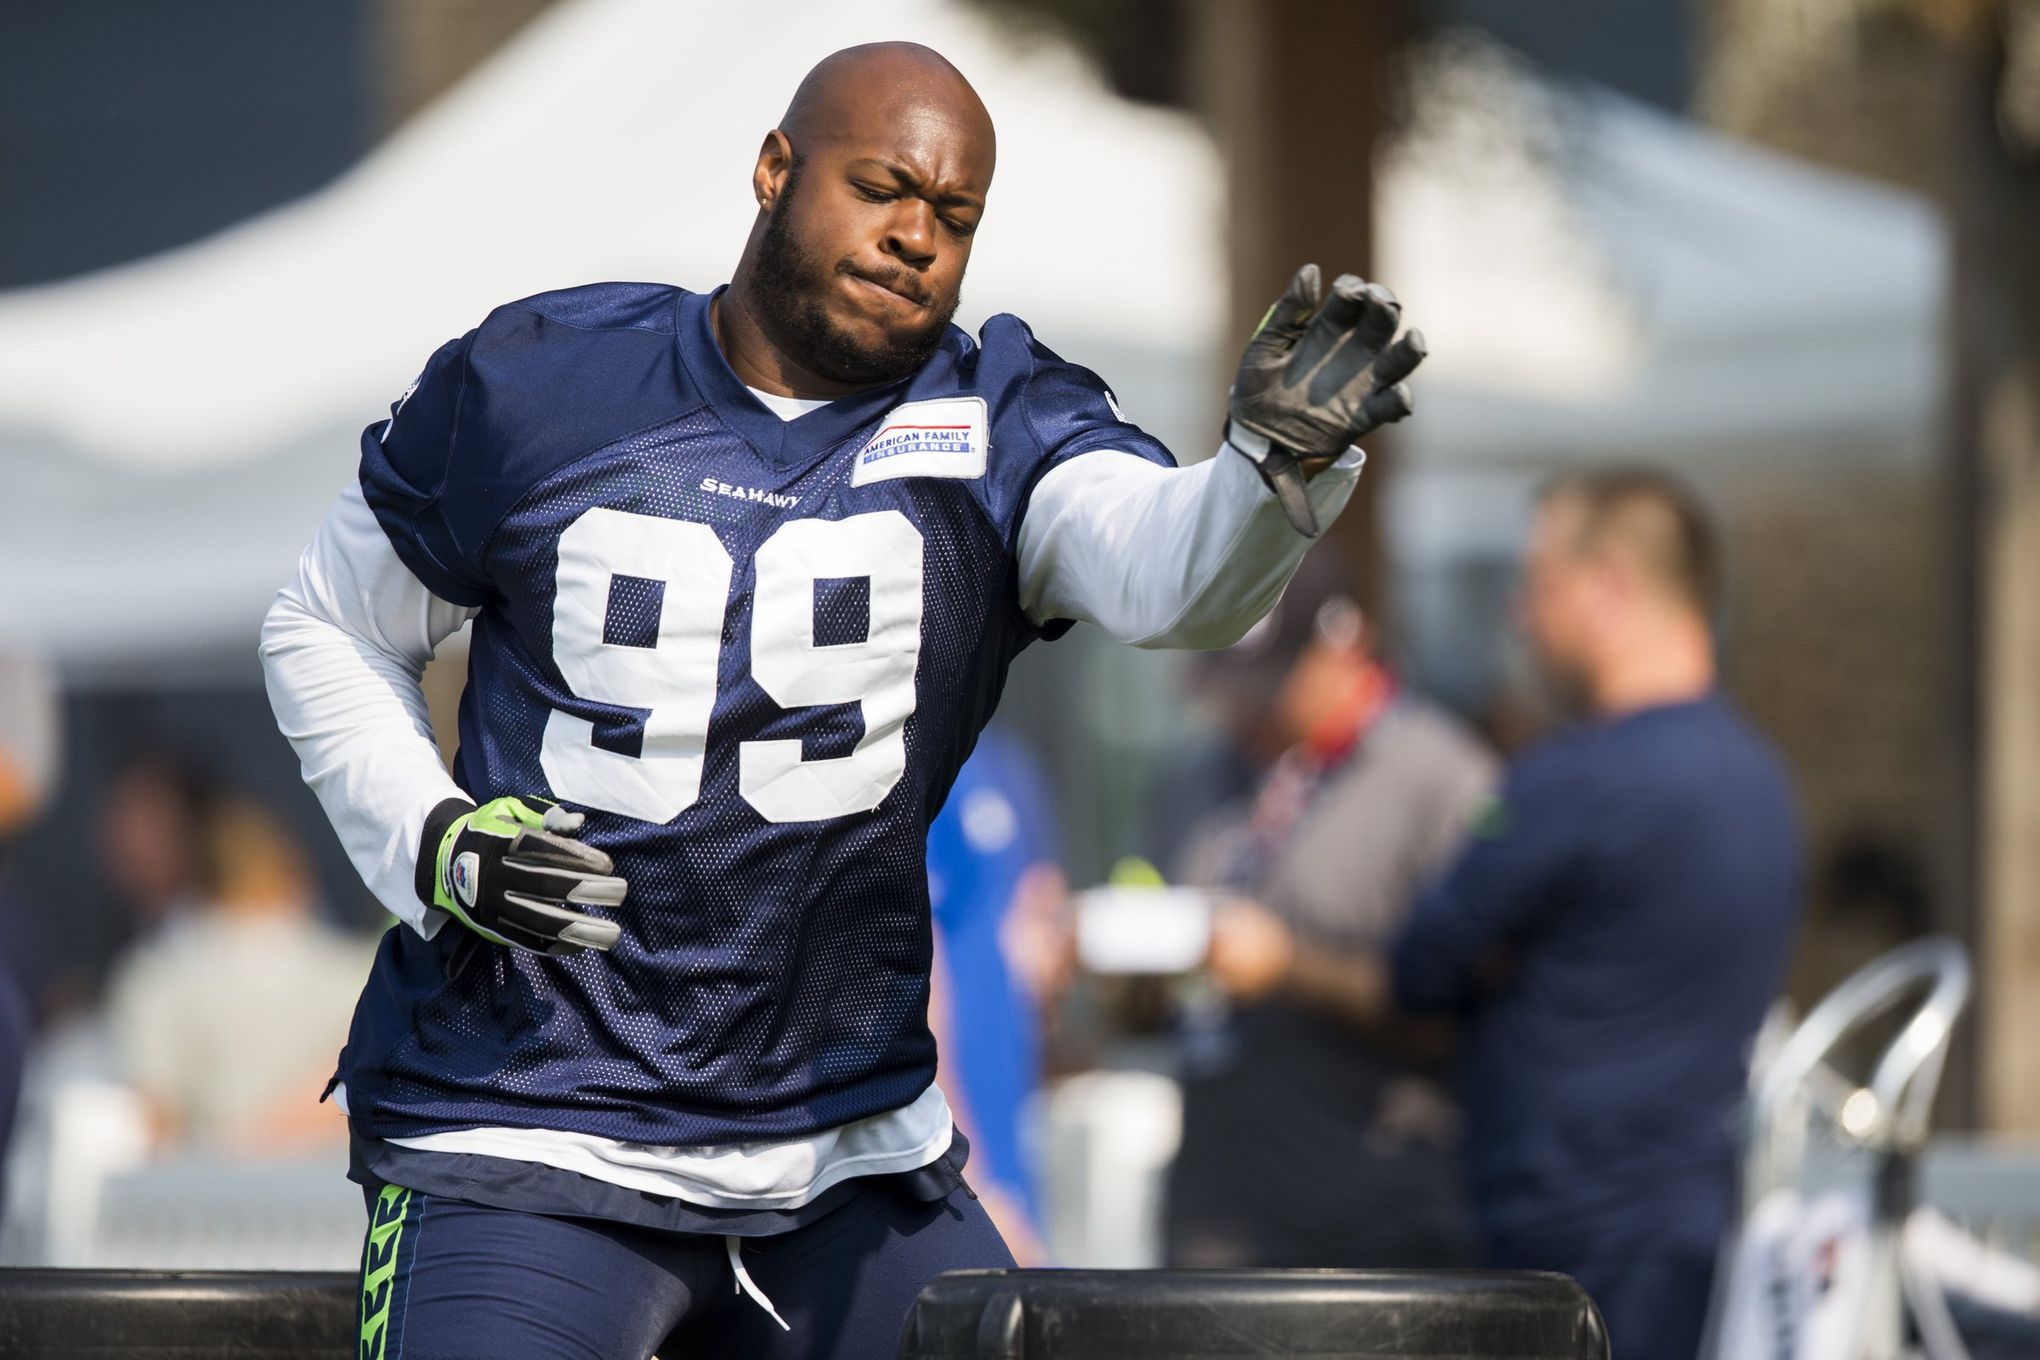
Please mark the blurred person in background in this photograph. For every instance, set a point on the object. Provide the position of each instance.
(30, 732)
(1206, 780)
(1613, 933)
(1617, 929)
(1004, 951)
(1310, 1139)
(227, 1023)
(152, 830)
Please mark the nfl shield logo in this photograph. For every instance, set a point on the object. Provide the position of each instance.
(466, 867)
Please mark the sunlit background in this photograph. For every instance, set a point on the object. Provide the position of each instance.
(1787, 248)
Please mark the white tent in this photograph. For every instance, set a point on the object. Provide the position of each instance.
(171, 430)
(1600, 279)
(1602, 282)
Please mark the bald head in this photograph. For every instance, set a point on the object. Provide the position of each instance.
(887, 86)
(869, 192)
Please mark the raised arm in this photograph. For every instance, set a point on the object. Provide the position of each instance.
(1193, 557)
(1165, 557)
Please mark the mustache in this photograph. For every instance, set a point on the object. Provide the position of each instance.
(901, 281)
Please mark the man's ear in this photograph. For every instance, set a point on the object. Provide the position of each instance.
(775, 160)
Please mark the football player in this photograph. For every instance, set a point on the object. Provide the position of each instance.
(647, 1065)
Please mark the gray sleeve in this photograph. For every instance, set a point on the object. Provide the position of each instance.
(1461, 781)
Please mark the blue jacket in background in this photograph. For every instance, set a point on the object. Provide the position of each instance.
(997, 824)
(1613, 935)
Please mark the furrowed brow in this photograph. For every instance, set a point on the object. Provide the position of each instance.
(912, 183)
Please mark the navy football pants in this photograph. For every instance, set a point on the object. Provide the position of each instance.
(447, 1280)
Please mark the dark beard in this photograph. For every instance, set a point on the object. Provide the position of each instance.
(786, 287)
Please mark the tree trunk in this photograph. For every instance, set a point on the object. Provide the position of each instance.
(1294, 92)
(1997, 439)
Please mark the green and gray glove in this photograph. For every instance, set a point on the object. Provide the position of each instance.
(510, 872)
(1315, 379)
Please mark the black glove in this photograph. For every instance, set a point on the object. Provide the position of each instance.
(510, 872)
(1315, 379)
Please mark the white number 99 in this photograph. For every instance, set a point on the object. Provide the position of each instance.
(675, 677)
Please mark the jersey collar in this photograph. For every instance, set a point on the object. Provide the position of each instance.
(782, 442)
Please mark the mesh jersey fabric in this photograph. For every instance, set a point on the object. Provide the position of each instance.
(755, 657)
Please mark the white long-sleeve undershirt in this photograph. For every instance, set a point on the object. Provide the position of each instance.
(343, 648)
(1165, 557)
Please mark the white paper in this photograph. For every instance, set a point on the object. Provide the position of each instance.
(1143, 930)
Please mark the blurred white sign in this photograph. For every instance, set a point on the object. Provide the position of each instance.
(1143, 930)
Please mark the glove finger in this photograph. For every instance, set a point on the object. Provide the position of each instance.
(1293, 310)
(605, 890)
(1399, 360)
(561, 852)
(550, 922)
(1379, 315)
(556, 883)
(1358, 369)
(1286, 320)
(1342, 310)
(548, 946)
(592, 934)
(558, 819)
(1388, 405)
(507, 934)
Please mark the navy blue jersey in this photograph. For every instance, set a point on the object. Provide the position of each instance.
(755, 652)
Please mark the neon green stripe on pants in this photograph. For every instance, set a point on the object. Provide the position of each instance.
(379, 1266)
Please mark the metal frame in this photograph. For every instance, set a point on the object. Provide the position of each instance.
(1892, 1112)
(1883, 1121)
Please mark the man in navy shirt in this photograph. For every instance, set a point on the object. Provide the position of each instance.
(1618, 926)
(746, 569)
(1613, 932)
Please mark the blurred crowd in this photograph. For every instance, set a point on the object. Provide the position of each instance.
(1447, 1007)
(1452, 1010)
(225, 1011)
(223, 1005)
(1505, 1018)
